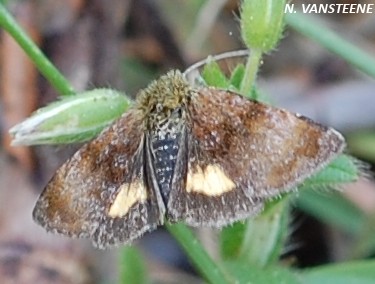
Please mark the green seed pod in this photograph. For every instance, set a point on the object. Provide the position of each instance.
(73, 119)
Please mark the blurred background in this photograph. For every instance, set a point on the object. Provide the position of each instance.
(124, 44)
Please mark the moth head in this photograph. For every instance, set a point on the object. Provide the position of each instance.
(163, 97)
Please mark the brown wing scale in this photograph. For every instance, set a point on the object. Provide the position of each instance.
(239, 152)
(102, 192)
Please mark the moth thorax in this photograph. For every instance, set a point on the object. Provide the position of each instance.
(165, 144)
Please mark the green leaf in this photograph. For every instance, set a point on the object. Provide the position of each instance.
(365, 244)
(237, 76)
(358, 272)
(132, 269)
(333, 209)
(343, 169)
(72, 119)
(244, 273)
(213, 75)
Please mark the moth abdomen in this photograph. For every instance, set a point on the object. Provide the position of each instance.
(164, 148)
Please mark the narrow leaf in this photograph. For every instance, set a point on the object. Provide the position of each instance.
(333, 209)
(132, 266)
(245, 273)
(359, 272)
(237, 76)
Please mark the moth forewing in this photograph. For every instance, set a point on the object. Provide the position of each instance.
(102, 192)
(202, 193)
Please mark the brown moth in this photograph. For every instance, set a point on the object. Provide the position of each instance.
(203, 156)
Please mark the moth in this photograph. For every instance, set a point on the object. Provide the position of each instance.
(198, 155)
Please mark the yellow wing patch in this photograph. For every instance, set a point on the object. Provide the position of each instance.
(128, 195)
(211, 181)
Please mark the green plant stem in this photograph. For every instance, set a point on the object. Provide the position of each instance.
(265, 236)
(197, 254)
(40, 60)
(251, 70)
(331, 41)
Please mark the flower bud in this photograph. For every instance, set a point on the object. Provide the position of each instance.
(262, 23)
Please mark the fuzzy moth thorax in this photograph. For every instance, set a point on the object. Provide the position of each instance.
(163, 105)
(163, 98)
